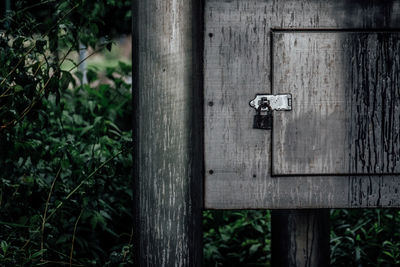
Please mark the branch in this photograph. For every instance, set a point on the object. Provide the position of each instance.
(73, 238)
(47, 206)
(81, 183)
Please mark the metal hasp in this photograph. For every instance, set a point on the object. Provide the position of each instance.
(272, 102)
(265, 104)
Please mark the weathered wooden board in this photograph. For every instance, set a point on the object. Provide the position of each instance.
(167, 91)
(237, 65)
(345, 113)
(300, 237)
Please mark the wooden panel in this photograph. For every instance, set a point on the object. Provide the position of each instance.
(345, 103)
(236, 67)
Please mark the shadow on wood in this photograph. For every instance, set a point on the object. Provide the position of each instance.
(300, 238)
(167, 127)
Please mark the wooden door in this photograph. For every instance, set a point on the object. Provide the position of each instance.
(338, 146)
(345, 114)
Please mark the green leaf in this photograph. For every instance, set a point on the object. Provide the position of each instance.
(258, 228)
(14, 224)
(4, 247)
(125, 68)
(253, 249)
(91, 75)
(18, 88)
(35, 255)
(66, 80)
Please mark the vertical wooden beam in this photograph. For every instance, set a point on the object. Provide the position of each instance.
(82, 67)
(300, 238)
(167, 131)
(8, 5)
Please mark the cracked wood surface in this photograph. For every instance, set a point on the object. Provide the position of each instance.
(237, 66)
(167, 93)
(345, 103)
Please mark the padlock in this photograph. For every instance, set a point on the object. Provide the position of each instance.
(263, 121)
(265, 105)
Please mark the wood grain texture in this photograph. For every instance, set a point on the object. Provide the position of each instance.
(345, 114)
(167, 95)
(237, 66)
(300, 238)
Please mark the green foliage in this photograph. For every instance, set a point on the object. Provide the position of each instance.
(366, 237)
(359, 237)
(65, 187)
(54, 173)
(236, 238)
(38, 37)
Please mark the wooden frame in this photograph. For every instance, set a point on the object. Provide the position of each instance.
(237, 57)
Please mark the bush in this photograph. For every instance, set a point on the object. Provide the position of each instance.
(365, 237)
(359, 237)
(65, 185)
(66, 179)
(237, 238)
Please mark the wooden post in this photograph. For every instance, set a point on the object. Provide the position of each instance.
(8, 5)
(300, 238)
(167, 123)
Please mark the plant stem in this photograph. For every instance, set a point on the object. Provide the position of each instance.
(30, 49)
(73, 238)
(47, 206)
(81, 183)
(79, 63)
(35, 100)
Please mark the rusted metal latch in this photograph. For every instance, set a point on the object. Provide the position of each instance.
(265, 105)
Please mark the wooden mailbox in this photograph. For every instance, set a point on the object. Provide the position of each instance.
(339, 64)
